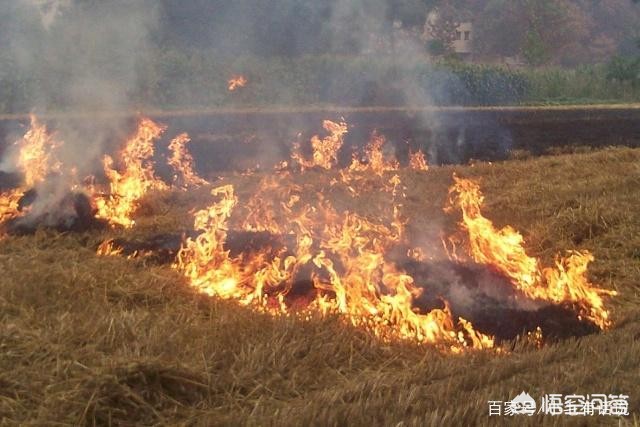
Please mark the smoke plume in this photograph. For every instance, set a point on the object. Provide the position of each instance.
(85, 56)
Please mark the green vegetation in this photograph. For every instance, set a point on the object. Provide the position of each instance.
(176, 79)
(88, 340)
(585, 84)
(170, 54)
(181, 79)
(625, 69)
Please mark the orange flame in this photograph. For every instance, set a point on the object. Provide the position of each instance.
(346, 253)
(182, 162)
(325, 151)
(34, 157)
(375, 160)
(367, 290)
(374, 163)
(9, 204)
(504, 249)
(107, 248)
(236, 82)
(417, 161)
(204, 260)
(34, 161)
(135, 180)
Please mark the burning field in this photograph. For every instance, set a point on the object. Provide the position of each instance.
(310, 291)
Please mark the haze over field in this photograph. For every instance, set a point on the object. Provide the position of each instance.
(86, 53)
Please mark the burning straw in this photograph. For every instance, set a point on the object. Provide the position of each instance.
(295, 252)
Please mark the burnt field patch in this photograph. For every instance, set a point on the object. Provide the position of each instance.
(225, 140)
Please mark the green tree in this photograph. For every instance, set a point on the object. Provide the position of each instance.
(535, 29)
(625, 69)
(442, 26)
(411, 13)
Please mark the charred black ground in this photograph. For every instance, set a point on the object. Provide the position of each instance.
(73, 212)
(224, 141)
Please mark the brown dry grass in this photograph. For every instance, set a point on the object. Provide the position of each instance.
(107, 341)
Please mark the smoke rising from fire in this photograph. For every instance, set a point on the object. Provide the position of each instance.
(90, 56)
(86, 57)
(49, 9)
(85, 53)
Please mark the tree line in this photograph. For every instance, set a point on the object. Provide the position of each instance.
(561, 32)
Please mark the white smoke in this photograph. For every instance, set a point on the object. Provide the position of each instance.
(49, 9)
(85, 56)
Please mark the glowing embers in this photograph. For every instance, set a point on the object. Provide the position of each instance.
(135, 178)
(566, 282)
(108, 248)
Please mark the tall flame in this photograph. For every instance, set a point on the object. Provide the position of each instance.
(417, 161)
(34, 157)
(204, 259)
(375, 160)
(504, 249)
(325, 151)
(374, 163)
(128, 186)
(34, 161)
(182, 162)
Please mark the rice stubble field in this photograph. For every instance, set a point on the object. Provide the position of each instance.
(106, 340)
